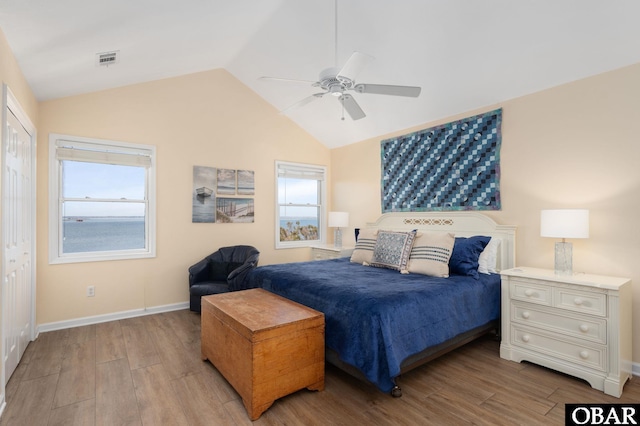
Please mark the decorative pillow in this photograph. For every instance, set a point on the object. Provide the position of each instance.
(466, 251)
(430, 254)
(363, 252)
(489, 257)
(392, 250)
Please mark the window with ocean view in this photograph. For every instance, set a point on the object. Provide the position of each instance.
(301, 200)
(102, 200)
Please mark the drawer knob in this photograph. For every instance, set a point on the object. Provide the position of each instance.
(584, 354)
(584, 328)
(526, 338)
(528, 292)
(526, 315)
(578, 301)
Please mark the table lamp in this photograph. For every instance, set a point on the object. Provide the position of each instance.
(338, 220)
(565, 223)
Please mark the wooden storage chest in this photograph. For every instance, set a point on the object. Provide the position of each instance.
(266, 346)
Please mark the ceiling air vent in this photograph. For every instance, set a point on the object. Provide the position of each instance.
(107, 58)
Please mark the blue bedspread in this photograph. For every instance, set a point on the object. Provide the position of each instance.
(375, 318)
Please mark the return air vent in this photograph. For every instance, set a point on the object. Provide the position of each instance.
(107, 58)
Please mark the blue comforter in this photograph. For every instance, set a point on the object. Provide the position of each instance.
(375, 318)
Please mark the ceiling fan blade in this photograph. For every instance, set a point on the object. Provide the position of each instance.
(287, 80)
(304, 102)
(352, 107)
(385, 89)
(356, 63)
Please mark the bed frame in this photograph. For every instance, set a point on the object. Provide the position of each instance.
(462, 224)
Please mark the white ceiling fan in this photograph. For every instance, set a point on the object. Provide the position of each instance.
(338, 81)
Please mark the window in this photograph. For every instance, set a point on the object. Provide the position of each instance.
(300, 209)
(102, 200)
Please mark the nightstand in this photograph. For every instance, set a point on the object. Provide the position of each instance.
(578, 324)
(329, 251)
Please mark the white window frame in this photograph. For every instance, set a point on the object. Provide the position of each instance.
(106, 152)
(301, 170)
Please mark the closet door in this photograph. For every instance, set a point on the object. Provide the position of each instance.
(17, 235)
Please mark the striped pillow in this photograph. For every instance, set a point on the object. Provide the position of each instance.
(363, 252)
(430, 254)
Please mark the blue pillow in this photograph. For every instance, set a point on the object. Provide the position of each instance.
(466, 251)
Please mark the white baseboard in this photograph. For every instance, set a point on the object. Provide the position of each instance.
(635, 369)
(61, 325)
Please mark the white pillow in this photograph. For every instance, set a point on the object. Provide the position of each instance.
(489, 257)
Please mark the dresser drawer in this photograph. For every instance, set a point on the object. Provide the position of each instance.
(580, 326)
(326, 252)
(581, 301)
(530, 292)
(578, 353)
(319, 254)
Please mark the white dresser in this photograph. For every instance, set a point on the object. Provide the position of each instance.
(578, 324)
(329, 251)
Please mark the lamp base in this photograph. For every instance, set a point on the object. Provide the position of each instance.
(337, 238)
(564, 259)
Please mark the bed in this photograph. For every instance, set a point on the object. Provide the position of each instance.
(381, 323)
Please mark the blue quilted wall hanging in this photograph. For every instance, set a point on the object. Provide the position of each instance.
(454, 166)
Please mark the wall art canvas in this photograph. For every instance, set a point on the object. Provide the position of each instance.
(203, 196)
(234, 210)
(454, 166)
(226, 182)
(246, 183)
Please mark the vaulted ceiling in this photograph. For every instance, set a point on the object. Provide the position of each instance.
(465, 54)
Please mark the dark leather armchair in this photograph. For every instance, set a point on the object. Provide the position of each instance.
(220, 272)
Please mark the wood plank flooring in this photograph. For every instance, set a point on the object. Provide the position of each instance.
(148, 371)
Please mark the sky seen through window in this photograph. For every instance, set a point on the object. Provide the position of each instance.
(87, 181)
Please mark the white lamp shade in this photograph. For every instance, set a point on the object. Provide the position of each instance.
(338, 219)
(565, 223)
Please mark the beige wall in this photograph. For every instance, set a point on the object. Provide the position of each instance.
(11, 75)
(573, 146)
(206, 119)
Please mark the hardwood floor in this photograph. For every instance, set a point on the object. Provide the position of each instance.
(148, 371)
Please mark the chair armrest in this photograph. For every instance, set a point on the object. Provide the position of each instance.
(236, 278)
(199, 272)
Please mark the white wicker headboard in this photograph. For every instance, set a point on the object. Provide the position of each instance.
(462, 224)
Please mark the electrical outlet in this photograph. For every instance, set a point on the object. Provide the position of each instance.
(91, 291)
